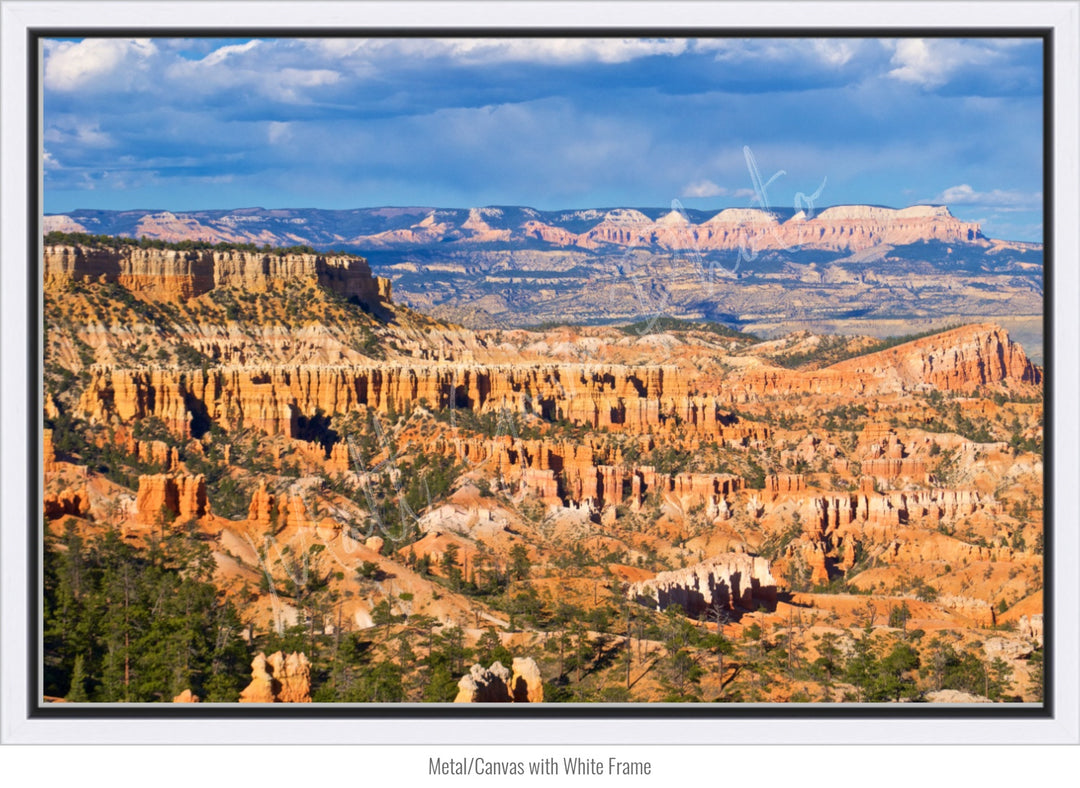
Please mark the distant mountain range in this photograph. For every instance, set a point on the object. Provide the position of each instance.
(847, 269)
(848, 228)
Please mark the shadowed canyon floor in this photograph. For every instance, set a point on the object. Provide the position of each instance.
(250, 453)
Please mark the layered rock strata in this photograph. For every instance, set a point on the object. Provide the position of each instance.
(616, 398)
(180, 275)
(836, 525)
(274, 399)
(882, 454)
(842, 228)
(286, 510)
(162, 499)
(839, 228)
(957, 360)
(823, 513)
(561, 472)
(962, 359)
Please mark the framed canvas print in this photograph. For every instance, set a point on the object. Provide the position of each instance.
(503, 370)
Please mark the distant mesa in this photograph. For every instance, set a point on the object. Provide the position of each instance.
(743, 216)
(673, 219)
(839, 228)
(182, 274)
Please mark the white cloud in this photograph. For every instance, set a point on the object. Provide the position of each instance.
(565, 50)
(834, 52)
(288, 84)
(931, 63)
(831, 53)
(703, 188)
(473, 51)
(964, 194)
(72, 130)
(275, 70)
(307, 77)
(278, 132)
(219, 55)
(915, 63)
(336, 47)
(93, 62)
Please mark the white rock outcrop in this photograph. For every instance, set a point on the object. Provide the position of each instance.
(734, 580)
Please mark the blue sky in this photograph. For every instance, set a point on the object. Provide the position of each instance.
(184, 124)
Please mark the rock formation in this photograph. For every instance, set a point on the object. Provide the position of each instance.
(848, 227)
(954, 696)
(48, 453)
(840, 228)
(1031, 628)
(785, 483)
(734, 580)
(73, 502)
(170, 497)
(148, 452)
(526, 685)
(274, 399)
(180, 275)
(485, 685)
(1006, 648)
(558, 472)
(588, 441)
(835, 525)
(882, 454)
(979, 611)
(498, 685)
(187, 696)
(262, 510)
(279, 678)
(958, 360)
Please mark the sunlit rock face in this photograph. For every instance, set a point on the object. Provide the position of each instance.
(279, 678)
(732, 581)
(179, 275)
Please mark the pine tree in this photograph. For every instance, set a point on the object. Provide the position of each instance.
(77, 693)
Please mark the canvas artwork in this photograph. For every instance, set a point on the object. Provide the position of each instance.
(542, 370)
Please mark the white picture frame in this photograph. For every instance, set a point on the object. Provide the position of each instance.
(19, 725)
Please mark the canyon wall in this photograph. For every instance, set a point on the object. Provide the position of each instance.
(277, 400)
(180, 275)
(961, 359)
(956, 360)
(274, 399)
(561, 472)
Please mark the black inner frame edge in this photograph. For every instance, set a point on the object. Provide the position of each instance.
(38, 710)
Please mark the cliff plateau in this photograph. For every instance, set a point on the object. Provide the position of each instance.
(181, 275)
